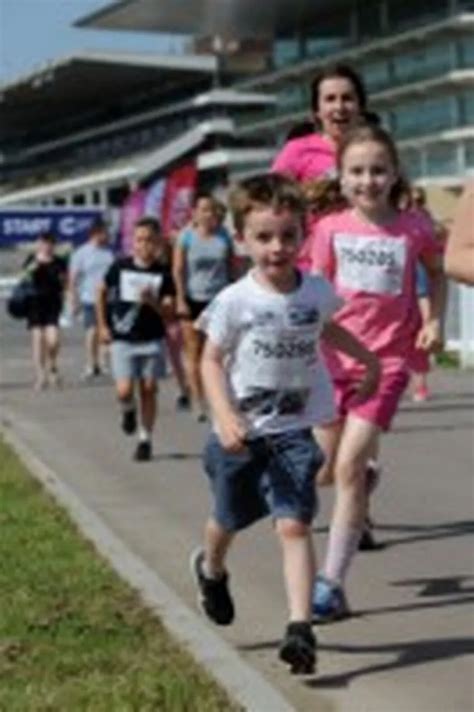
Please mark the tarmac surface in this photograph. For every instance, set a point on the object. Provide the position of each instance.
(408, 648)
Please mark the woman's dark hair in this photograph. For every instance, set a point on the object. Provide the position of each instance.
(303, 128)
(335, 71)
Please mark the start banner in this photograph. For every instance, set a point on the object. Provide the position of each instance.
(66, 224)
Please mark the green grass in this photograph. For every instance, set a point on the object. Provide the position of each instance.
(447, 359)
(73, 636)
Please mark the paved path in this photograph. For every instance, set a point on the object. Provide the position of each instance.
(408, 649)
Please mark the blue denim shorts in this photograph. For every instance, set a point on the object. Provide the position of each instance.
(275, 475)
(88, 316)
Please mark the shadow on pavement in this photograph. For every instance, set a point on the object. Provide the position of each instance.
(426, 532)
(407, 654)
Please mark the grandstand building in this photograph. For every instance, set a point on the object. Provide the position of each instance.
(84, 128)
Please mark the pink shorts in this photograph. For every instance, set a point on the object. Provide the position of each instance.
(381, 407)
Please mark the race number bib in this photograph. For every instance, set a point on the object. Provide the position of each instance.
(370, 264)
(133, 283)
(282, 359)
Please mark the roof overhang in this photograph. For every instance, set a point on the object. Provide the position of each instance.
(74, 84)
(226, 18)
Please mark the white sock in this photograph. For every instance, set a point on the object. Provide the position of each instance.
(144, 435)
(342, 545)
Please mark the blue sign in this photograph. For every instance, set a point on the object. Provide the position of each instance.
(25, 224)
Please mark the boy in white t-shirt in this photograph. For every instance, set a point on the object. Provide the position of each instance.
(267, 388)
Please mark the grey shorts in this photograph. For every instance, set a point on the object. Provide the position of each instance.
(138, 361)
(274, 476)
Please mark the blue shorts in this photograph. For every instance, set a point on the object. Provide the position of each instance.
(137, 361)
(275, 475)
(88, 316)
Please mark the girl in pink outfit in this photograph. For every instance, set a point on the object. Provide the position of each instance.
(338, 101)
(369, 252)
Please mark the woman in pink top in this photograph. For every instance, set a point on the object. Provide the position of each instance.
(338, 100)
(369, 252)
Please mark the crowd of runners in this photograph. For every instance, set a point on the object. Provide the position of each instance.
(293, 328)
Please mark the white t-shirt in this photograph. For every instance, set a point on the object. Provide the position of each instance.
(276, 378)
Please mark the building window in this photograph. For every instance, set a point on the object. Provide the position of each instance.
(332, 32)
(467, 107)
(425, 62)
(376, 76)
(402, 15)
(293, 98)
(424, 117)
(469, 154)
(442, 160)
(466, 51)
(285, 52)
(369, 19)
(410, 161)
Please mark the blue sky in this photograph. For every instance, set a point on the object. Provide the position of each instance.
(34, 31)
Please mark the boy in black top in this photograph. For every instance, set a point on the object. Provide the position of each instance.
(135, 297)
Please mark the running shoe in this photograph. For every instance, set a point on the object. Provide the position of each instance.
(329, 601)
(129, 421)
(298, 648)
(421, 394)
(143, 451)
(367, 541)
(183, 402)
(213, 594)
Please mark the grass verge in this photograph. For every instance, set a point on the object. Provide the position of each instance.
(73, 636)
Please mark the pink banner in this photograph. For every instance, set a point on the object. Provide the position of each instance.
(178, 198)
(132, 210)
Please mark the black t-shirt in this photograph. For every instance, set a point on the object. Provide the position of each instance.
(130, 320)
(48, 279)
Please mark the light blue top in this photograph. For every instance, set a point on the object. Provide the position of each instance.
(207, 263)
(89, 263)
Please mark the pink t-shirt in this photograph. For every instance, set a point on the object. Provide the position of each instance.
(372, 268)
(307, 158)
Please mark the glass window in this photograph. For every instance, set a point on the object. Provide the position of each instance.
(410, 161)
(369, 19)
(467, 107)
(376, 76)
(466, 51)
(424, 117)
(293, 97)
(442, 160)
(402, 15)
(469, 153)
(332, 32)
(424, 62)
(285, 52)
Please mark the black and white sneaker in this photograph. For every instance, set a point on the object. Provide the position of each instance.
(213, 597)
(129, 421)
(143, 451)
(183, 402)
(298, 648)
(367, 540)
